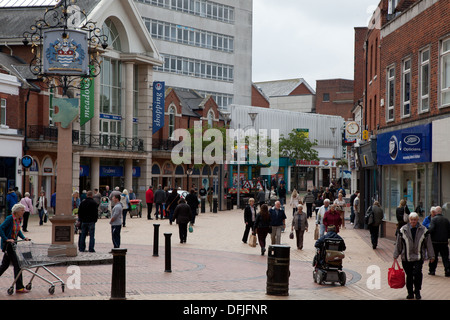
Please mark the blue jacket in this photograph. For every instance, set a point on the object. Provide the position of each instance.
(6, 230)
(11, 200)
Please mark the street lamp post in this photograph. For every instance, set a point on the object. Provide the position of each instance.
(252, 116)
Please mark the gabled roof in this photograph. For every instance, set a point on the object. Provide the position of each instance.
(280, 88)
(19, 19)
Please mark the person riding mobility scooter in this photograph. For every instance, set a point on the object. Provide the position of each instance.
(327, 262)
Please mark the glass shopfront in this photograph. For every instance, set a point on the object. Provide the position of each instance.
(407, 170)
(412, 182)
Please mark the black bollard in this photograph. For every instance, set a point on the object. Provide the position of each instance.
(215, 205)
(168, 253)
(118, 283)
(155, 240)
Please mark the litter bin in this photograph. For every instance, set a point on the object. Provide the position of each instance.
(135, 208)
(278, 270)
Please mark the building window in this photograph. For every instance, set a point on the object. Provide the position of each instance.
(197, 68)
(202, 8)
(210, 119)
(326, 97)
(3, 112)
(406, 88)
(424, 81)
(110, 30)
(390, 94)
(445, 76)
(111, 87)
(172, 112)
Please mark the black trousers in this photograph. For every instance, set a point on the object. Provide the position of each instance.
(248, 227)
(9, 257)
(149, 210)
(309, 210)
(440, 248)
(374, 233)
(414, 276)
(182, 229)
(26, 215)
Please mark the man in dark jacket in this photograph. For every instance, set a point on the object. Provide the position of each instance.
(171, 203)
(88, 215)
(331, 234)
(182, 215)
(192, 201)
(159, 198)
(440, 233)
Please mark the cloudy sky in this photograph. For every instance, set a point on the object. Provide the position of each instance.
(306, 39)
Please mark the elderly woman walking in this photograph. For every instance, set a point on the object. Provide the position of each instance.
(414, 246)
(9, 233)
(300, 224)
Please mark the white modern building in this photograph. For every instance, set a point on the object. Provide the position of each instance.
(206, 46)
(324, 129)
(290, 95)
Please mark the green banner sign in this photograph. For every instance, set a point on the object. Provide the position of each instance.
(86, 101)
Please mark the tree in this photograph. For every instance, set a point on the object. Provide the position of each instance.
(297, 146)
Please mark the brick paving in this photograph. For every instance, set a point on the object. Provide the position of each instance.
(215, 264)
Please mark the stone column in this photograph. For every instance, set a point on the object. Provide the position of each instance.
(129, 105)
(128, 174)
(95, 173)
(63, 221)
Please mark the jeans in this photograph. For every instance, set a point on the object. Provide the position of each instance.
(115, 232)
(85, 228)
(159, 210)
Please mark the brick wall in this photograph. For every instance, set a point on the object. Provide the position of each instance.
(427, 29)
(340, 93)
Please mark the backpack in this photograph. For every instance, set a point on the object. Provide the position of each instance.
(368, 218)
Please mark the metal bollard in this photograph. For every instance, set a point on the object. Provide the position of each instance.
(215, 205)
(155, 240)
(118, 283)
(278, 270)
(168, 253)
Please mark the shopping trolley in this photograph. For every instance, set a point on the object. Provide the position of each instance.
(32, 257)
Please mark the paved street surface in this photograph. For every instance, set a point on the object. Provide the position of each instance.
(215, 264)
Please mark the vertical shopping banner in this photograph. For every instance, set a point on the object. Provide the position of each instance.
(86, 101)
(158, 105)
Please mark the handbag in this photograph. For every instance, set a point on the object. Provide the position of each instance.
(291, 235)
(405, 215)
(252, 242)
(316, 232)
(396, 277)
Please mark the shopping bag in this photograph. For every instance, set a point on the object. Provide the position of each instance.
(252, 242)
(396, 277)
(191, 228)
(316, 232)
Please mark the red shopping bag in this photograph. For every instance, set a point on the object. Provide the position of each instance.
(396, 277)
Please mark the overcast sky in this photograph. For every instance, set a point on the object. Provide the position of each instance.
(306, 39)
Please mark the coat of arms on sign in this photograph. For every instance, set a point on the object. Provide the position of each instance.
(65, 52)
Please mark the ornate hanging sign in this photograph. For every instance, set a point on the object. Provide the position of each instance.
(65, 52)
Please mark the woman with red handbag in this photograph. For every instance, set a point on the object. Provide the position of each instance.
(414, 245)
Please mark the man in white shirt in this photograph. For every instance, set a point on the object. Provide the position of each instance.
(320, 215)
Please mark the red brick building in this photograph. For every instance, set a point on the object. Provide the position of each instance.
(182, 109)
(406, 101)
(335, 97)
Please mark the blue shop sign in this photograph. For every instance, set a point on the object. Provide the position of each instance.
(111, 171)
(410, 145)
